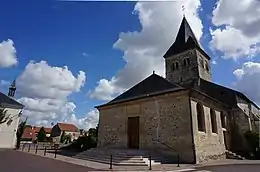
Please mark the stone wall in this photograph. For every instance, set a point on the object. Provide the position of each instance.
(165, 118)
(208, 145)
(186, 74)
(8, 132)
(240, 125)
(204, 72)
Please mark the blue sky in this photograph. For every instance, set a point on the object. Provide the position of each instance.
(82, 36)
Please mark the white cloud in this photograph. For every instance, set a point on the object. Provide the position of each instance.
(237, 34)
(43, 81)
(45, 90)
(90, 120)
(7, 54)
(5, 83)
(214, 62)
(144, 50)
(248, 80)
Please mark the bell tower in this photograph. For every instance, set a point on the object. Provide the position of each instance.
(185, 61)
(12, 89)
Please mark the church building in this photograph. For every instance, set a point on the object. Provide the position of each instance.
(185, 113)
(10, 113)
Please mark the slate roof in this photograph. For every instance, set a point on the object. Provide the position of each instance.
(152, 85)
(221, 93)
(185, 40)
(4, 99)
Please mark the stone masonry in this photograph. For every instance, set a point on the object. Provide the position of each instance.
(164, 117)
(208, 145)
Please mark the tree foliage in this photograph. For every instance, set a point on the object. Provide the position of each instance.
(3, 118)
(41, 137)
(62, 137)
(19, 133)
(92, 132)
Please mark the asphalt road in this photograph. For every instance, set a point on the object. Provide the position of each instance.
(15, 161)
(230, 168)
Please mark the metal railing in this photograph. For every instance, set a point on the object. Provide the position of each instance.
(169, 147)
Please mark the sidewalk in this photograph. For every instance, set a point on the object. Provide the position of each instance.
(160, 167)
(100, 166)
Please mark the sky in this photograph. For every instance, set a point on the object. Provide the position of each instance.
(68, 57)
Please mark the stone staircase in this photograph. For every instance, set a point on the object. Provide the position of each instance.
(232, 155)
(123, 157)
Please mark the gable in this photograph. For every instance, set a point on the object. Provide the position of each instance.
(151, 85)
(7, 102)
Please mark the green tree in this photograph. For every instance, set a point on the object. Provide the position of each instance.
(41, 137)
(19, 133)
(3, 118)
(67, 138)
(92, 132)
(62, 137)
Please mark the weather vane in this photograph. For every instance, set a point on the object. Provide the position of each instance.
(183, 10)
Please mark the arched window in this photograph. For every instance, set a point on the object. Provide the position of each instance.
(173, 66)
(188, 61)
(184, 62)
(177, 65)
(214, 127)
(201, 63)
(200, 117)
(223, 120)
(206, 66)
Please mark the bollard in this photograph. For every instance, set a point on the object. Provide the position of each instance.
(44, 151)
(110, 162)
(36, 149)
(23, 146)
(178, 160)
(150, 162)
(55, 155)
(29, 147)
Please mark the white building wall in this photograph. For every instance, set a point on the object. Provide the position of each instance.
(8, 133)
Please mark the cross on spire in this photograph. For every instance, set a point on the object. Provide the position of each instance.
(183, 10)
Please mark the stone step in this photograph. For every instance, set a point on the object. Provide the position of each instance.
(233, 155)
(108, 157)
(154, 158)
(113, 162)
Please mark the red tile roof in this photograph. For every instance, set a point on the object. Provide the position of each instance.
(67, 127)
(28, 133)
(37, 129)
(31, 132)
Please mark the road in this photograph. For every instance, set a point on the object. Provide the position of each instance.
(15, 161)
(230, 168)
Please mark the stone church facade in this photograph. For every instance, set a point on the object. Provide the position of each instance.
(184, 113)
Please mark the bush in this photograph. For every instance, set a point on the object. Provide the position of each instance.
(253, 142)
(82, 143)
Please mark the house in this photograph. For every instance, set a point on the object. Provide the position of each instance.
(10, 113)
(68, 129)
(46, 129)
(30, 133)
(185, 111)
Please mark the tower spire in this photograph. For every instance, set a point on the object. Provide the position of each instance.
(185, 39)
(12, 89)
